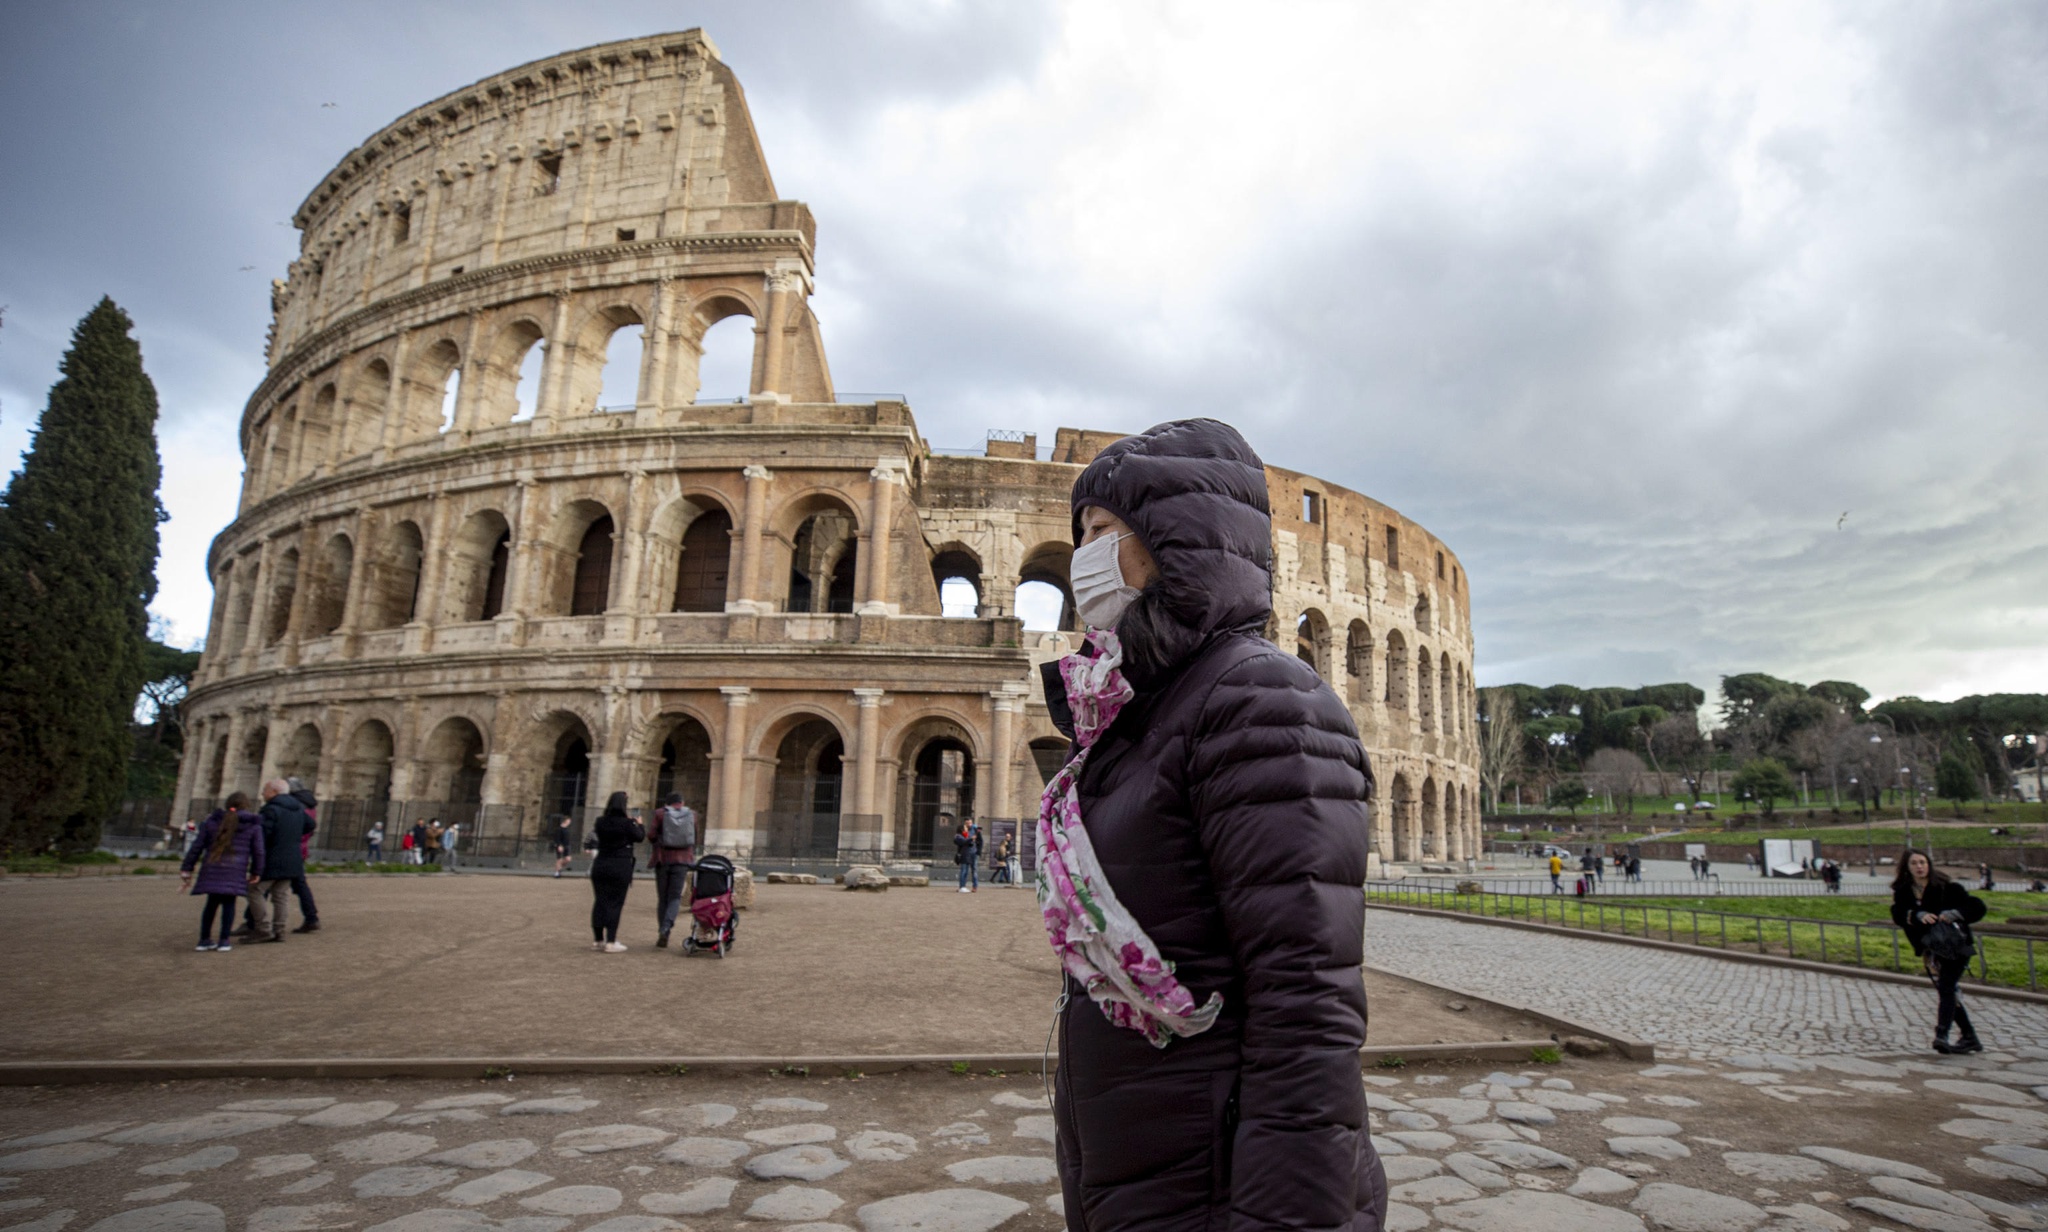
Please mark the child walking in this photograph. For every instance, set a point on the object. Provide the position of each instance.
(228, 851)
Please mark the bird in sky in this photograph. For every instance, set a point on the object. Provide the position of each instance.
(330, 104)
(1839, 522)
(248, 267)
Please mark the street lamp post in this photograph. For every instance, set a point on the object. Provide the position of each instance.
(1869, 839)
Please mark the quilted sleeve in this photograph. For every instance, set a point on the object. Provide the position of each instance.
(1280, 790)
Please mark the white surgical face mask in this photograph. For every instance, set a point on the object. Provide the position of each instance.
(1100, 594)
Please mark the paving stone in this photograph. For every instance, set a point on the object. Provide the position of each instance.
(403, 1182)
(51, 1222)
(1869, 1165)
(203, 1128)
(633, 1223)
(1474, 1170)
(794, 1202)
(788, 1105)
(310, 1103)
(713, 1193)
(705, 1152)
(1784, 1062)
(1974, 1128)
(961, 1133)
(1429, 1191)
(560, 1105)
(1387, 1146)
(688, 1117)
(816, 1227)
(1039, 1128)
(348, 1116)
(1385, 1103)
(169, 1217)
(1673, 1071)
(481, 1099)
(1805, 1217)
(809, 1162)
(1526, 1210)
(1755, 1078)
(1919, 1216)
(1875, 1087)
(1600, 1182)
(64, 1155)
(442, 1220)
(1525, 1114)
(1861, 1066)
(1524, 1155)
(1648, 1147)
(2017, 1116)
(2008, 1214)
(1987, 1092)
(155, 1193)
(384, 1148)
(2001, 1170)
(1404, 1218)
(940, 1210)
(1642, 1127)
(1010, 1099)
(1485, 1131)
(302, 1218)
(1457, 1111)
(1681, 1208)
(1562, 1101)
(2024, 1156)
(1424, 1140)
(1775, 1169)
(881, 1146)
(492, 1153)
(308, 1184)
(70, 1133)
(1671, 1101)
(202, 1160)
(1005, 1170)
(1409, 1168)
(1500, 1078)
(575, 1200)
(601, 1139)
(496, 1185)
(456, 1115)
(1923, 1195)
(1411, 1120)
(1557, 1084)
(792, 1135)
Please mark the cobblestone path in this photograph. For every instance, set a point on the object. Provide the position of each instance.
(1686, 1004)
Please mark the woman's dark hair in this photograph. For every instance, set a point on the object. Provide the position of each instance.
(616, 806)
(1904, 879)
(230, 821)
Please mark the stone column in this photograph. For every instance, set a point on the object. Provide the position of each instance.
(1008, 701)
(629, 545)
(467, 394)
(399, 401)
(327, 778)
(783, 286)
(753, 519)
(259, 610)
(339, 430)
(358, 584)
(521, 583)
(879, 543)
(274, 736)
(295, 620)
(405, 753)
(606, 750)
(868, 742)
(550, 403)
(727, 830)
(198, 738)
(238, 731)
(998, 595)
(655, 356)
(497, 764)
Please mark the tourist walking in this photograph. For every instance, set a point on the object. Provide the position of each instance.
(611, 871)
(451, 840)
(1936, 914)
(309, 912)
(284, 822)
(558, 832)
(430, 844)
(673, 843)
(1556, 874)
(1985, 880)
(1212, 993)
(999, 868)
(1749, 862)
(228, 852)
(1635, 868)
(964, 856)
(376, 837)
(417, 847)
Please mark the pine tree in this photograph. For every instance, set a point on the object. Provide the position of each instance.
(78, 546)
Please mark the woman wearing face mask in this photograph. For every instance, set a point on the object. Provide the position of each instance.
(1201, 855)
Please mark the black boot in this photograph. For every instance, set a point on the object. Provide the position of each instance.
(1942, 1046)
(1967, 1044)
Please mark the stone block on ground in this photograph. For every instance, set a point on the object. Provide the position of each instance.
(864, 877)
(792, 879)
(743, 889)
(1681, 1208)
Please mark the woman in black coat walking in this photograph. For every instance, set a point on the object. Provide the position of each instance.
(1923, 895)
(1201, 861)
(611, 871)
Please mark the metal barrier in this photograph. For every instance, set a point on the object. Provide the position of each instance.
(1615, 886)
(2005, 960)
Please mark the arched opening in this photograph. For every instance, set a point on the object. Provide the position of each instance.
(577, 561)
(702, 563)
(1312, 641)
(1432, 822)
(823, 558)
(511, 375)
(366, 764)
(1045, 596)
(478, 558)
(1396, 696)
(725, 364)
(1422, 621)
(248, 770)
(453, 763)
(241, 604)
(1425, 692)
(328, 603)
(1407, 841)
(1358, 661)
(434, 381)
(566, 788)
(395, 582)
(300, 758)
(590, 593)
(619, 387)
(939, 764)
(526, 386)
(284, 433)
(685, 764)
(217, 774)
(284, 585)
(369, 401)
(316, 428)
(957, 572)
(803, 815)
(1447, 718)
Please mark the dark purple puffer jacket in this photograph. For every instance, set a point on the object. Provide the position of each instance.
(1228, 805)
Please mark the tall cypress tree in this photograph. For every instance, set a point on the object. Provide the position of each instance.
(78, 545)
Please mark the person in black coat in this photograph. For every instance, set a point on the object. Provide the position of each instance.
(611, 871)
(1922, 895)
(1225, 804)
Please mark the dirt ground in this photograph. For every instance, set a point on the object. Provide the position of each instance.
(476, 965)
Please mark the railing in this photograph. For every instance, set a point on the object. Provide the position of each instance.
(2003, 960)
(1617, 886)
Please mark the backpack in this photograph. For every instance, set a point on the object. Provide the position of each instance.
(677, 827)
(1949, 941)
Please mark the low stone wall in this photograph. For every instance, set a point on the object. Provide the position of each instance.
(2011, 859)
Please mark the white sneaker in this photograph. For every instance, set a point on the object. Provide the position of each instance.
(963, 889)
(613, 947)
(597, 947)
(204, 947)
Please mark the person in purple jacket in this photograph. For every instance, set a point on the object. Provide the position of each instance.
(228, 851)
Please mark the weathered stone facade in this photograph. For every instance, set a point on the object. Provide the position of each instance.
(434, 596)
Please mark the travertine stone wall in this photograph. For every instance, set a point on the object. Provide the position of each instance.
(435, 598)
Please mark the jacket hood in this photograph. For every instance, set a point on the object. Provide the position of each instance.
(285, 803)
(1195, 493)
(305, 796)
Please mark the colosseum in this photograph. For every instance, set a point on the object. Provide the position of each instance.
(495, 558)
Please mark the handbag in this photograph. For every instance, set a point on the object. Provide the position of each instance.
(1949, 941)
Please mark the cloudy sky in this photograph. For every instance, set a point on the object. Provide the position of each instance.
(1628, 302)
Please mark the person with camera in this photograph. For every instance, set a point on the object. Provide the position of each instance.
(1936, 914)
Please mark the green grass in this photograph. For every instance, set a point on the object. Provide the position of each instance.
(362, 866)
(1790, 927)
(1655, 812)
(57, 863)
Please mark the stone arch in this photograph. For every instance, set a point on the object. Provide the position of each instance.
(958, 566)
(936, 765)
(217, 773)
(680, 748)
(1406, 835)
(593, 338)
(805, 752)
(576, 556)
(327, 603)
(1397, 671)
(723, 353)
(246, 762)
(300, 757)
(1432, 820)
(817, 552)
(426, 402)
(1447, 718)
(316, 431)
(1312, 641)
(1048, 564)
(281, 438)
(503, 360)
(392, 585)
(479, 561)
(452, 762)
(1422, 616)
(570, 750)
(366, 763)
(1358, 648)
(691, 548)
(1425, 688)
(242, 581)
(284, 586)
(369, 404)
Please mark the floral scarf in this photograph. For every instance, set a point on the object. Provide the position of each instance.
(1097, 940)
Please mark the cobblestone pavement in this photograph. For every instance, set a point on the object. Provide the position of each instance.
(1688, 1005)
(1761, 1143)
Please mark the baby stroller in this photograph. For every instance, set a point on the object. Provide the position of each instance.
(711, 907)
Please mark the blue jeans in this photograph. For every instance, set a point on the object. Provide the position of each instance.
(968, 872)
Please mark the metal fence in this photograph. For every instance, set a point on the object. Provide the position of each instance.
(1616, 886)
(2004, 960)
